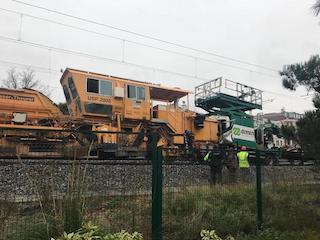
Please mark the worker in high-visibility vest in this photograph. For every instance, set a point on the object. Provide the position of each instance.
(207, 156)
(243, 158)
(244, 166)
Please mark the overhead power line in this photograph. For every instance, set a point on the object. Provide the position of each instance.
(284, 95)
(50, 70)
(308, 96)
(77, 53)
(39, 68)
(105, 59)
(134, 42)
(146, 36)
(70, 52)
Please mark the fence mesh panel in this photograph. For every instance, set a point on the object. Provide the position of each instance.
(63, 183)
(192, 203)
(48, 190)
(291, 200)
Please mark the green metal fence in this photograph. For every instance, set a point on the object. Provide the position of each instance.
(291, 200)
(264, 202)
(40, 198)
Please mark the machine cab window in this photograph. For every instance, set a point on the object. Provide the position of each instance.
(135, 92)
(66, 93)
(102, 87)
(92, 85)
(72, 87)
(106, 88)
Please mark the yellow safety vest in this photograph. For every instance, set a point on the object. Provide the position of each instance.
(243, 159)
(206, 158)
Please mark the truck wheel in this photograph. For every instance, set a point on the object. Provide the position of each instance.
(102, 155)
(267, 160)
(275, 161)
(271, 160)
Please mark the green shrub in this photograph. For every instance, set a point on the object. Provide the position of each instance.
(123, 235)
(212, 235)
(91, 232)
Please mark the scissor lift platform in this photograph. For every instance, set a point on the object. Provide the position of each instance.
(223, 95)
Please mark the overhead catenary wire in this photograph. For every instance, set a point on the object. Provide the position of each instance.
(138, 43)
(308, 95)
(39, 68)
(146, 36)
(50, 70)
(76, 53)
(131, 64)
(3, 38)
(72, 52)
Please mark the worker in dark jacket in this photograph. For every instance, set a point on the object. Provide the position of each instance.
(231, 163)
(215, 162)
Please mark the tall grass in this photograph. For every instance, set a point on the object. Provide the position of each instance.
(51, 213)
(232, 210)
(291, 210)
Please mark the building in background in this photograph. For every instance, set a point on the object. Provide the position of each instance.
(280, 119)
(283, 118)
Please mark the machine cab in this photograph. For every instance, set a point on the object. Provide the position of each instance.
(103, 97)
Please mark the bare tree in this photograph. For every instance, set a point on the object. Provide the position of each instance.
(316, 8)
(12, 80)
(24, 79)
(27, 79)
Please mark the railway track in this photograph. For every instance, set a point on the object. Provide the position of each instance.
(55, 161)
(91, 162)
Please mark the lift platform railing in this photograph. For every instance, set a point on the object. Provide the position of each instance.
(224, 86)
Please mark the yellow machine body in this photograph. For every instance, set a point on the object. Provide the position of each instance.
(26, 106)
(124, 104)
(102, 103)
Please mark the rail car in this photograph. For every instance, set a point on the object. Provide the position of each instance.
(122, 105)
(31, 125)
(111, 117)
(27, 106)
(123, 110)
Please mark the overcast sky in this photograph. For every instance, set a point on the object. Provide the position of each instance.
(269, 33)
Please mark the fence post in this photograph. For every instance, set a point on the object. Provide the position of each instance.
(156, 160)
(258, 190)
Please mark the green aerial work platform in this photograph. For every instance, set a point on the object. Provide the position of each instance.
(224, 97)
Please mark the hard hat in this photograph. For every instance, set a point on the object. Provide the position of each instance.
(243, 148)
